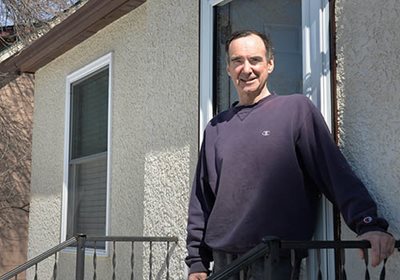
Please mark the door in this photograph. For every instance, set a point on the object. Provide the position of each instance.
(299, 30)
(283, 26)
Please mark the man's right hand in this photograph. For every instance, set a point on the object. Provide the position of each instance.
(197, 276)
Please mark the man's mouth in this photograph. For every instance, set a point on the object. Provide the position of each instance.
(247, 80)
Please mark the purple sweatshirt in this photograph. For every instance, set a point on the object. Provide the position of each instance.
(261, 171)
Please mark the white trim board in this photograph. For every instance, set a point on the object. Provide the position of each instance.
(106, 60)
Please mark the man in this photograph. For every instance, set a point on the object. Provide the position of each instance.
(262, 167)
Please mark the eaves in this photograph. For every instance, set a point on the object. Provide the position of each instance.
(86, 21)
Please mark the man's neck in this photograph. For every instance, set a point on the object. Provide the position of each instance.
(250, 99)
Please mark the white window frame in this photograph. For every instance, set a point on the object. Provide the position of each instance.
(104, 61)
(316, 69)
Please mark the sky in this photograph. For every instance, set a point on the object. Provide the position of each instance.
(5, 20)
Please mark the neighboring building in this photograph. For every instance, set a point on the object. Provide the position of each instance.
(16, 111)
(7, 37)
(123, 90)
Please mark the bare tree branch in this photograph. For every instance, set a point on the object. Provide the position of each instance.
(23, 21)
(16, 107)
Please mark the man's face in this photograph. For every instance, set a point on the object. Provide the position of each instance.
(248, 66)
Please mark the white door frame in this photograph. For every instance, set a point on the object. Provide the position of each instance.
(316, 85)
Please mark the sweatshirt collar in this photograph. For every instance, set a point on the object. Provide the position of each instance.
(261, 101)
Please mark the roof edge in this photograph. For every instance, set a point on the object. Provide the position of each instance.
(82, 24)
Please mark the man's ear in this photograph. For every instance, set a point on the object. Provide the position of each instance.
(271, 65)
(227, 70)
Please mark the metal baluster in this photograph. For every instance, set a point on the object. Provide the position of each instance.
(35, 278)
(271, 258)
(295, 263)
(132, 259)
(95, 261)
(343, 275)
(292, 263)
(55, 267)
(80, 257)
(383, 271)
(367, 277)
(319, 275)
(167, 260)
(114, 261)
(151, 261)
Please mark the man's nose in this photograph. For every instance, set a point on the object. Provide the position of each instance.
(246, 67)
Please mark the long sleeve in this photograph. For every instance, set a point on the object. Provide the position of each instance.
(324, 163)
(200, 204)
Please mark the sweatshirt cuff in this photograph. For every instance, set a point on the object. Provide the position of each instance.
(369, 223)
(198, 267)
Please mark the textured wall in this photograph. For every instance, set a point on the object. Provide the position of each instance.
(369, 102)
(154, 129)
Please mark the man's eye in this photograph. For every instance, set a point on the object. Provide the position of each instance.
(255, 60)
(237, 61)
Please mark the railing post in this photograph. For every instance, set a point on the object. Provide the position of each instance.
(80, 257)
(271, 259)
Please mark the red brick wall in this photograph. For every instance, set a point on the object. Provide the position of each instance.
(16, 110)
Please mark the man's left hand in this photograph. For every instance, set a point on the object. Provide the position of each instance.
(382, 245)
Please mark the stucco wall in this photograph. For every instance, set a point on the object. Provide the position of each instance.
(154, 130)
(369, 104)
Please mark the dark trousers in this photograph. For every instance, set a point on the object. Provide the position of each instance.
(288, 267)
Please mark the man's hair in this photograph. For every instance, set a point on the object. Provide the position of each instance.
(245, 33)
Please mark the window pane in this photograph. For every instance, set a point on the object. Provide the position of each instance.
(88, 192)
(87, 185)
(281, 21)
(89, 114)
(92, 193)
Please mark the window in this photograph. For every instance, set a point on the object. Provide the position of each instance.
(283, 26)
(87, 150)
(300, 33)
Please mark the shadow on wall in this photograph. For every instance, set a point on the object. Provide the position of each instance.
(16, 110)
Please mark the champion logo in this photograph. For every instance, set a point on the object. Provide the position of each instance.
(367, 220)
(266, 133)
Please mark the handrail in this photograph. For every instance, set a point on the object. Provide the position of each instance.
(360, 244)
(38, 259)
(80, 240)
(132, 239)
(269, 245)
(257, 252)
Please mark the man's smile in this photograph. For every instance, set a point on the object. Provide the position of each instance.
(248, 80)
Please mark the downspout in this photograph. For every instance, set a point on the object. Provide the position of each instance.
(335, 123)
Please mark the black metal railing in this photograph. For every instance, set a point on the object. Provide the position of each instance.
(35, 261)
(82, 242)
(80, 265)
(270, 249)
